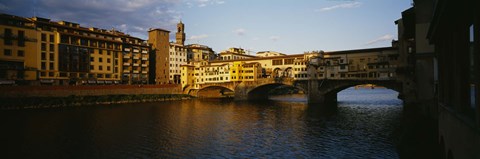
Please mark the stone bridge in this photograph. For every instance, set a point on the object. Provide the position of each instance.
(317, 90)
(325, 90)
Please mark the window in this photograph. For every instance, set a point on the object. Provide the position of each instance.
(21, 38)
(108, 68)
(51, 65)
(52, 47)
(20, 53)
(108, 60)
(44, 37)
(8, 37)
(288, 61)
(277, 62)
(52, 38)
(7, 52)
(51, 57)
(92, 59)
(91, 67)
(44, 47)
(100, 68)
(44, 66)
(44, 56)
(100, 59)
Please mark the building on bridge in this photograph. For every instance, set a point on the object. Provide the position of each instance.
(197, 53)
(376, 63)
(269, 54)
(365, 64)
(234, 54)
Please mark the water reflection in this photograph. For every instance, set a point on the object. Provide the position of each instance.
(360, 127)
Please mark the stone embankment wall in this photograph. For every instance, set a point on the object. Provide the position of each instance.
(65, 91)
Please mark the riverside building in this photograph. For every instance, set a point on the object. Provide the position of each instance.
(38, 51)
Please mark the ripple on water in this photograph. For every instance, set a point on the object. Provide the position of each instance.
(286, 127)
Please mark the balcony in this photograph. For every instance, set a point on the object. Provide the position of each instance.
(136, 57)
(126, 56)
(135, 64)
(126, 71)
(136, 50)
(127, 49)
(144, 72)
(144, 65)
(126, 64)
(144, 52)
(144, 58)
(135, 71)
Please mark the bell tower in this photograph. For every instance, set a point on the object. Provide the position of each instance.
(180, 35)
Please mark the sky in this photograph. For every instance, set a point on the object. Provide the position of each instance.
(287, 26)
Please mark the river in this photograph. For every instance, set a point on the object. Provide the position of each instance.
(362, 126)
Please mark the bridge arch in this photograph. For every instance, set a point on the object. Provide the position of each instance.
(261, 92)
(328, 89)
(214, 92)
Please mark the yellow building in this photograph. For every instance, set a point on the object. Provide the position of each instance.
(197, 52)
(188, 75)
(40, 51)
(135, 60)
(18, 45)
(234, 54)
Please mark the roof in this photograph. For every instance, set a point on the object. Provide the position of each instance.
(228, 52)
(360, 50)
(157, 29)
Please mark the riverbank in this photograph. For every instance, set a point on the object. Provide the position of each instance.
(72, 101)
(26, 97)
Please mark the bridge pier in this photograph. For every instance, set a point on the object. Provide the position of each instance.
(316, 96)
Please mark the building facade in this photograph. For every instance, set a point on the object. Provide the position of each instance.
(197, 52)
(233, 54)
(158, 39)
(39, 51)
(177, 55)
(269, 54)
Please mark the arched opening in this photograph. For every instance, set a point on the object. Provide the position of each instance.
(215, 92)
(264, 92)
(277, 72)
(367, 93)
(288, 72)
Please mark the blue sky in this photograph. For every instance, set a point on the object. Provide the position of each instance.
(288, 26)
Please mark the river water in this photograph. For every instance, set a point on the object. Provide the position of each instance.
(362, 126)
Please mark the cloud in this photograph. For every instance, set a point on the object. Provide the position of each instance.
(198, 37)
(204, 3)
(240, 31)
(274, 38)
(340, 6)
(387, 37)
(3, 7)
(130, 16)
